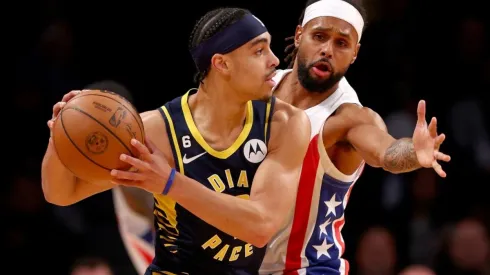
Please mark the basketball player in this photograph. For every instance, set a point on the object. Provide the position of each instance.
(344, 137)
(216, 160)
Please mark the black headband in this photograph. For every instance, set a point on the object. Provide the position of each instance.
(227, 40)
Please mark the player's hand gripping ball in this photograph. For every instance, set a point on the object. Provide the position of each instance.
(91, 129)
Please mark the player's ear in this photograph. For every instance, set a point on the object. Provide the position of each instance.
(219, 62)
(297, 35)
(358, 46)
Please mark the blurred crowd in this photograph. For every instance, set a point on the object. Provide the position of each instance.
(415, 223)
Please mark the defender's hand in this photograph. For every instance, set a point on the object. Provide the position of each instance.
(426, 142)
(151, 169)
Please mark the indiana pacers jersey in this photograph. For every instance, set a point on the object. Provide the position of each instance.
(186, 244)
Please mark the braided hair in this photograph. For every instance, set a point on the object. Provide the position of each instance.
(210, 24)
(293, 50)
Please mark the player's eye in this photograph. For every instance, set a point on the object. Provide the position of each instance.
(318, 37)
(342, 43)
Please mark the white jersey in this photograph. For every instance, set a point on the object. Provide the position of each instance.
(311, 242)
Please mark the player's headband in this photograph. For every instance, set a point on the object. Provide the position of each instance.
(338, 9)
(227, 40)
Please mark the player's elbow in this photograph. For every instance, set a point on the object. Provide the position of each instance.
(53, 197)
(259, 242)
(56, 201)
(264, 231)
(60, 202)
(262, 235)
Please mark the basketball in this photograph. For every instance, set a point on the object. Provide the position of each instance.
(91, 132)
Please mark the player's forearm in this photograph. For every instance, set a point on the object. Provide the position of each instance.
(60, 186)
(400, 157)
(237, 217)
(57, 182)
(380, 149)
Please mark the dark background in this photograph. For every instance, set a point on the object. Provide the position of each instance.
(411, 50)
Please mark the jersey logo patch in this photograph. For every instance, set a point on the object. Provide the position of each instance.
(255, 150)
(186, 160)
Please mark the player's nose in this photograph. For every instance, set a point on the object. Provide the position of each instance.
(274, 61)
(327, 49)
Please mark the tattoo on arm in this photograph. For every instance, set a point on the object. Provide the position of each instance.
(400, 157)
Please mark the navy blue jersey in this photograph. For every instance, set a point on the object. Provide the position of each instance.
(186, 244)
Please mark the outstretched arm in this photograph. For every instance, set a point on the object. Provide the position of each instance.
(274, 186)
(380, 149)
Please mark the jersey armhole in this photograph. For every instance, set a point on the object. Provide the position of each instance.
(269, 111)
(172, 137)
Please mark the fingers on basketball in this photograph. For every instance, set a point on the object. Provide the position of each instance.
(143, 151)
(70, 95)
(136, 163)
(151, 146)
(57, 108)
(126, 175)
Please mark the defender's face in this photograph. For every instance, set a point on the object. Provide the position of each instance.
(252, 67)
(326, 48)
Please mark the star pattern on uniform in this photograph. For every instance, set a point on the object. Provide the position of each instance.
(331, 204)
(322, 249)
(323, 227)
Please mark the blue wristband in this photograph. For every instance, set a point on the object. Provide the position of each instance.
(170, 181)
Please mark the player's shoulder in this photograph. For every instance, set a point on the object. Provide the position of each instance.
(286, 114)
(289, 125)
(154, 124)
(353, 114)
(152, 118)
(156, 131)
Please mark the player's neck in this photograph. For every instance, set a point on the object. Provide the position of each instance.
(296, 95)
(218, 110)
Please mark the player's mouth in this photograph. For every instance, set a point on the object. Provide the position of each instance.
(270, 80)
(322, 69)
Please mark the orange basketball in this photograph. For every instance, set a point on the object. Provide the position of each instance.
(93, 130)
